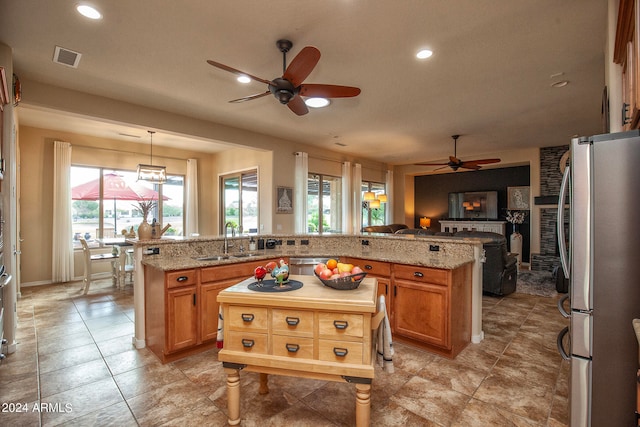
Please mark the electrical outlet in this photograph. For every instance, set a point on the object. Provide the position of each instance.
(365, 242)
(304, 242)
(291, 242)
(152, 251)
(434, 248)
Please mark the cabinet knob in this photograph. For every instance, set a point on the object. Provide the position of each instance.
(292, 321)
(247, 343)
(247, 317)
(418, 274)
(340, 324)
(340, 352)
(292, 348)
(182, 279)
(368, 267)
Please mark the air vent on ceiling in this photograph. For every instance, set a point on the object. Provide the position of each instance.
(66, 57)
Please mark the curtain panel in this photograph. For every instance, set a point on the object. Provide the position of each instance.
(191, 202)
(62, 256)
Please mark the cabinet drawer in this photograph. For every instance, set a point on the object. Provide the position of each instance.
(421, 274)
(377, 268)
(292, 322)
(176, 279)
(300, 348)
(249, 342)
(340, 351)
(340, 325)
(243, 318)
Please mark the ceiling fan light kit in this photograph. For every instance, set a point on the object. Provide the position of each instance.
(454, 163)
(289, 89)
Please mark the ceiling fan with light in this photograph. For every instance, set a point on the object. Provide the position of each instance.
(455, 163)
(289, 88)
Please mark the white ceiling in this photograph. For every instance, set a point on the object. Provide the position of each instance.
(488, 80)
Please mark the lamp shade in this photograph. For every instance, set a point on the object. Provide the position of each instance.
(368, 195)
(425, 222)
(374, 204)
(157, 174)
(382, 198)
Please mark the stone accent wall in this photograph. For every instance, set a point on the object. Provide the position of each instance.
(550, 180)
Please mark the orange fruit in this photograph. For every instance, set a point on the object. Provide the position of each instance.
(331, 264)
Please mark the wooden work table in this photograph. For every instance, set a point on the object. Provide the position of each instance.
(312, 332)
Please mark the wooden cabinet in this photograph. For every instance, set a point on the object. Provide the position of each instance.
(432, 307)
(181, 307)
(380, 270)
(627, 54)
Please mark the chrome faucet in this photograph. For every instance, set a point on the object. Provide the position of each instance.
(226, 245)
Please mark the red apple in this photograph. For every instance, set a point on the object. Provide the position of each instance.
(336, 271)
(319, 267)
(325, 274)
(334, 276)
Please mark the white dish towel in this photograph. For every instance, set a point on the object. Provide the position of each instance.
(384, 348)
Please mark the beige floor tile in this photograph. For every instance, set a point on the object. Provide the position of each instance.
(67, 358)
(480, 414)
(72, 377)
(132, 359)
(147, 378)
(117, 414)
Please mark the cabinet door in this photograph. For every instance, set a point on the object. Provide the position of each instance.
(182, 318)
(421, 312)
(209, 307)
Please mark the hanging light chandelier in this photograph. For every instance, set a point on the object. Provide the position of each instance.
(151, 173)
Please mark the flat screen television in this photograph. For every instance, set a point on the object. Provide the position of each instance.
(473, 205)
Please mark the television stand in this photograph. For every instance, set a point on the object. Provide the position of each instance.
(452, 226)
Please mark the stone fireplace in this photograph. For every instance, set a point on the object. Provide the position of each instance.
(550, 180)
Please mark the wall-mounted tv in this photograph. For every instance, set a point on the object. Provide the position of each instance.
(473, 205)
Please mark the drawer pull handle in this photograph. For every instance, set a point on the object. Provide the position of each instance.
(247, 317)
(182, 279)
(340, 352)
(292, 321)
(246, 343)
(292, 348)
(368, 267)
(418, 274)
(340, 324)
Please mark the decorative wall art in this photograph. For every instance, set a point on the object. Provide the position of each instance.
(284, 200)
(518, 198)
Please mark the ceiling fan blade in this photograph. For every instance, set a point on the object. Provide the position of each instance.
(238, 72)
(431, 164)
(484, 161)
(251, 97)
(302, 65)
(297, 105)
(469, 165)
(328, 91)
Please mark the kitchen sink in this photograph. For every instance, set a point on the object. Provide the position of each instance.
(242, 255)
(223, 257)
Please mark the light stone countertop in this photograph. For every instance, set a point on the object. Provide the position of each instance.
(182, 253)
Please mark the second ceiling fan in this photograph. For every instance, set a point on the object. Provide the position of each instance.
(455, 163)
(289, 88)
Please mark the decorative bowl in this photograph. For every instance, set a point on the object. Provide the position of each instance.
(345, 283)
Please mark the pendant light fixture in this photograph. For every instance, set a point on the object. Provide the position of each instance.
(151, 173)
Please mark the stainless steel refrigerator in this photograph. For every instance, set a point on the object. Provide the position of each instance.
(602, 261)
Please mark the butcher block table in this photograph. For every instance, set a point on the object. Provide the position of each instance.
(312, 332)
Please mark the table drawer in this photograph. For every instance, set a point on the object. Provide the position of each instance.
(340, 325)
(249, 342)
(176, 279)
(242, 318)
(340, 351)
(300, 348)
(421, 274)
(292, 322)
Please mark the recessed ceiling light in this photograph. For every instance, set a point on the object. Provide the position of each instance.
(244, 79)
(561, 83)
(316, 102)
(88, 11)
(424, 53)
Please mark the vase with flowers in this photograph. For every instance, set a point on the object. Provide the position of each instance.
(516, 218)
(144, 229)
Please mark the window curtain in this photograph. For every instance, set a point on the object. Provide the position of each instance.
(357, 198)
(191, 202)
(62, 259)
(389, 191)
(347, 202)
(300, 203)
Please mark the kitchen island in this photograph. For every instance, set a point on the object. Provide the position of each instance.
(311, 332)
(433, 286)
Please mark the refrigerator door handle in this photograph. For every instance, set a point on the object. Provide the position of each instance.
(561, 349)
(561, 308)
(562, 244)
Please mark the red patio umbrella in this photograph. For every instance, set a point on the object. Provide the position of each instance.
(116, 188)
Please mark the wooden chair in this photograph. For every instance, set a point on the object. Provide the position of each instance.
(125, 266)
(89, 259)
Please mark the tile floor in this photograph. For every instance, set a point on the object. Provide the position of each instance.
(75, 366)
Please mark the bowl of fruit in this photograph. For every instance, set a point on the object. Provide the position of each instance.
(338, 275)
